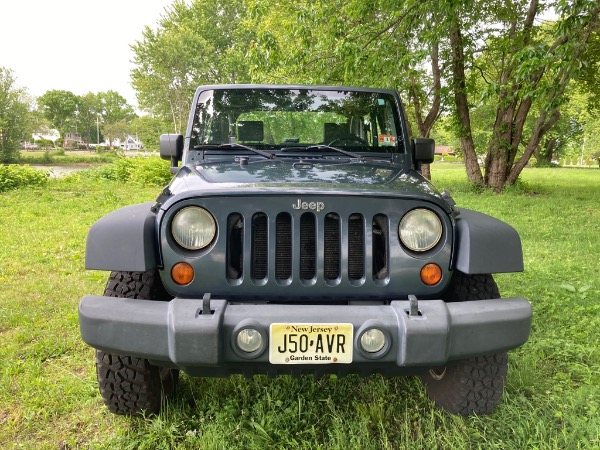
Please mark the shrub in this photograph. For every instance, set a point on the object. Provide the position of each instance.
(44, 143)
(14, 177)
(545, 164)
(138, 170)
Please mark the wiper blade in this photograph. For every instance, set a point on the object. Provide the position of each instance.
(241, 146)
(324, 147)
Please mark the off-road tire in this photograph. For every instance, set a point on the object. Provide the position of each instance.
(130, 385)
(474, 385)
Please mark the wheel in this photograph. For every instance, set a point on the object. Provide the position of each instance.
(474, 385)
(128, 384)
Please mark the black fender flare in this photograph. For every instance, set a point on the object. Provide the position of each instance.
(124, 240)
(485, 244)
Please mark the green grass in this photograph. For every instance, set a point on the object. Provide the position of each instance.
(66, 157)
(48, 392)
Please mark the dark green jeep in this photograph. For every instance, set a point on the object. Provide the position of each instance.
(298, 236)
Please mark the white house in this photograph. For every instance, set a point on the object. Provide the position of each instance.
(48, 134)
(129, 143)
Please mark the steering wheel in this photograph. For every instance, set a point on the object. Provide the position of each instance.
(354, 139)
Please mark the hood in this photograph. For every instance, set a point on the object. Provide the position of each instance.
(295, 177)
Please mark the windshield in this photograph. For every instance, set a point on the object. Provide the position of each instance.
(294, 119)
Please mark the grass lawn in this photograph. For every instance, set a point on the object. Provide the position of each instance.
(65, 157)
(48, 393)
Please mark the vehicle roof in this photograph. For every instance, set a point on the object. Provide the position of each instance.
(294, 86)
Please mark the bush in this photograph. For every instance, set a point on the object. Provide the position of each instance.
(14, 177)
(138, 170)
(44, 143)
(545, 164)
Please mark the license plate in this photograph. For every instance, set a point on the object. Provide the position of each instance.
(315, 343)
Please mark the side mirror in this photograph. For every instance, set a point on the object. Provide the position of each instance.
(171, 148)
(423, 150)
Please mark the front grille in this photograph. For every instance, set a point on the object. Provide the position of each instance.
(308, 247)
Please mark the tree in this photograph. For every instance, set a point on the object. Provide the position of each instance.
(116, 130)
(69, 112)
(114, 108)
(15, 120)
(352, 43)
(488, 52)
(148, 130)
(532, 66)
(90, 110)
(59, 107)
(203, 42)
(590, 76)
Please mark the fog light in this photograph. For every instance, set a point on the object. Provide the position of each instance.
(372, 340)
(249, 340)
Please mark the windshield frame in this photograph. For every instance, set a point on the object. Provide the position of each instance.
(386, 100)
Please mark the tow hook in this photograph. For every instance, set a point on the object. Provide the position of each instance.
(413, 310)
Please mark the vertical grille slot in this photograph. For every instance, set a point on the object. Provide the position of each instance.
(260, 246)
(283, 247)
(356, 247)
(332, 246)
(308, 247)
(380, 247)
(235, 246)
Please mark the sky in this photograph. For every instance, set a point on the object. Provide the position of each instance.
(74, 45)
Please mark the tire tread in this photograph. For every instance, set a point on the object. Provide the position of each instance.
(130, 385)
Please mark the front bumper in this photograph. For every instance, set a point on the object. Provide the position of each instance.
(178, 335)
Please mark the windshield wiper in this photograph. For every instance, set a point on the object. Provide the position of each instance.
(323, 147)
(241, 146)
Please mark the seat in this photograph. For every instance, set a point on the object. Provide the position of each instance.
(333, 131)
(250, 131)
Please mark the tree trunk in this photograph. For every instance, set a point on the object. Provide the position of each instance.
(462, 105)
(426, 124)
(542, 126)
(548, 153)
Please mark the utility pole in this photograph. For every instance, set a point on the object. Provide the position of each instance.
(97, 131)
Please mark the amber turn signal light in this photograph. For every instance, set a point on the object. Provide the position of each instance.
(182, 273)
(431, 274)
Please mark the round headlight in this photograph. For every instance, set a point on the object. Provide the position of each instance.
(420, 230)
(193, 228)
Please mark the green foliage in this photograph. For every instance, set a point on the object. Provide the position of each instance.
(60, 156)
(59, 108)
(198, 42)
(14, 177)
(44, 143)
(15, 118)
(147, 171)
(503, 72)
(105, 113)
(148, 130)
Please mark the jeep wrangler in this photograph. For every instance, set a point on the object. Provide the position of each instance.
(298, 236)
